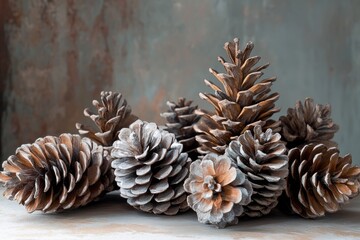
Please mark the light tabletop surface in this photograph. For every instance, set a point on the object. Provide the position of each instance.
(111, 218)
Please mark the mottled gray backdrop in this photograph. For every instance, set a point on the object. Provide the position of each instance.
(56, 56)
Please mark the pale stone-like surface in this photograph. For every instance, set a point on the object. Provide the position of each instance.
(112, 218)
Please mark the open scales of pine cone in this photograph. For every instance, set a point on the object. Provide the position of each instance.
(320, 180)
(262, 157)
(181, 118)
(150, 169)
(113, 114)
(57, 173)
(308, 123)
(244, 102)
(218, 190)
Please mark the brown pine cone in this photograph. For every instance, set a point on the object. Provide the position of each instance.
(113, 114)
(244, 103)
(218, 190)
(320, 180)
(308, 123)
(261, 156)
(181, 118)
(150, 169)
(57, 173)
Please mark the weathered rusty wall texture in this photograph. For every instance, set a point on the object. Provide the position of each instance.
(59, 55)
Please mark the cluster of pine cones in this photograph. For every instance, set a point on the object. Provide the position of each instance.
(227, 163)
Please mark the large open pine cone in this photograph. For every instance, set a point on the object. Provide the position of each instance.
(262, 157)
(181, 118)
(308, 123)
(320, 180)
(218, 190)
(113, 114)
(57, 173)
(244, 103)
(150, 168)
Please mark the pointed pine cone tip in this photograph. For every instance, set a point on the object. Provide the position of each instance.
(320, 181)
(70, 163)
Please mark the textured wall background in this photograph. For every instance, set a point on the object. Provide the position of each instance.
(56, 56)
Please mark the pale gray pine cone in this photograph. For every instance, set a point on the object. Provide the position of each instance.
(218, 190)
(180, 119)
(243, 101)
(113, 114)
(308, 123)
(320, 181)
(262, 157)
(57, 173)
(150, 169)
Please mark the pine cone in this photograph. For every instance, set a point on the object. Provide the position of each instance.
(181, 118)
(150, 169)
(308, 123)
(320, 180)
(262, 157)
(244, 103)
(218, 190)
(57, 173)
(113, 115)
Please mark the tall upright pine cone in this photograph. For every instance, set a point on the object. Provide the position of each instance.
(181, 118)
(150, 169)
(320, 180)
(218, 190)
(262, 157)
(245, 101)
(57, 173)
(113, 114)
(308, 123)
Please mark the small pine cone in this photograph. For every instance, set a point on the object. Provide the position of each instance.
(320, 180)
(57, 173)
(113, 115)
(262, 157)
(181, 118)
(150, 169)
(308, 123)
(218, 190)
